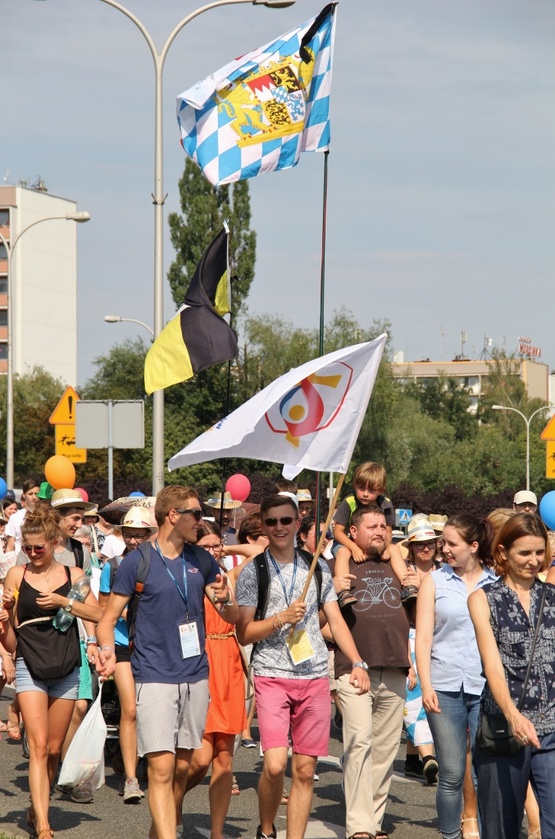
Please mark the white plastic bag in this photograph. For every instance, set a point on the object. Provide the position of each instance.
(84, 760)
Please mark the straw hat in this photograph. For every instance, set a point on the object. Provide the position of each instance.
(69, 498)
(304, 495)
(138, 517)
(437, 521)
(419, 530)
(228, 503)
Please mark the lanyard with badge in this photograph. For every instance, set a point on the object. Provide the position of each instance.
(297, 641)
(188, 631)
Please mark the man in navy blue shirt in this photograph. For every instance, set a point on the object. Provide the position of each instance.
(168, 659)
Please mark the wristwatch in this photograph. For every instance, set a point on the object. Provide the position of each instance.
(359, 664)
(70, 602)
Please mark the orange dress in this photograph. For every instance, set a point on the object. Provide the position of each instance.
(226, 711)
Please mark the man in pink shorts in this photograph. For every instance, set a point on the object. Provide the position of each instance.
(290, 670)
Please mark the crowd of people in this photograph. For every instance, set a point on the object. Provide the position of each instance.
(446, 631)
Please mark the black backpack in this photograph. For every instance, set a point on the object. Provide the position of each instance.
(263, 577)
(78, 553)
(205, 567)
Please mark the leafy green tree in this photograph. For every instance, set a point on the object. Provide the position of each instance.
(204, 209)
(36, 394)
(444, 398)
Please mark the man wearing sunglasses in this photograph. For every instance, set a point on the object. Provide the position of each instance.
(168, 657)
(291, 673)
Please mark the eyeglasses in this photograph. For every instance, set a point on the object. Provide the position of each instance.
(196, 513)
(34, 549)
(282, 520)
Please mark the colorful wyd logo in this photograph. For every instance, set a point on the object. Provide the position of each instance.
(311, 405)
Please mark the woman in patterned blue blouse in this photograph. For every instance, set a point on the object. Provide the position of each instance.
(504, 616)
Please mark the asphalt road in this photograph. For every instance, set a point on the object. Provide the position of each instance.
(410, 814)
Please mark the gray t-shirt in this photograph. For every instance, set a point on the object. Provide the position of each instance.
(271, 656)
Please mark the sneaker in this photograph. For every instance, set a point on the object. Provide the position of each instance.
(430, 768)
(260, 835)
(414, 769)
(248, 743)
(81, 794)
(131, 791)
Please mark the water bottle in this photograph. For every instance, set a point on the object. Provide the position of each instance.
(79, 591)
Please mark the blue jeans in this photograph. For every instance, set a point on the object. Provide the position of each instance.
(502, 784)
(459, 714)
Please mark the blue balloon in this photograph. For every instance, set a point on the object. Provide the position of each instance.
(137, 494)
(547, 509)
(3, 488)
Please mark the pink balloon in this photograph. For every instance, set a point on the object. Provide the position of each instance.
(239, 486)
(83, 493)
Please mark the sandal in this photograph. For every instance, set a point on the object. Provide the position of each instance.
(235, 787)
(381, 835)
(470, 832)
(345, 598)
(361, 835)
(285, 797)
(45, 834)
(535, 834)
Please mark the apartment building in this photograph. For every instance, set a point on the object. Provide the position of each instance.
(43, 279)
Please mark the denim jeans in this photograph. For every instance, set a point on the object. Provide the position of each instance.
(502, 785)
(459, 714)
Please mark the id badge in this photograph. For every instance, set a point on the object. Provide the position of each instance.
(299, 646)
(188, 636)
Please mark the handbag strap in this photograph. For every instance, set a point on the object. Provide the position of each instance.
(531, 658)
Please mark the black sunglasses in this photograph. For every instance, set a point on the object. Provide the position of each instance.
(282, 520)
(196, 513)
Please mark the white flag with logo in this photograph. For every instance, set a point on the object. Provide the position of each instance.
(309, 418)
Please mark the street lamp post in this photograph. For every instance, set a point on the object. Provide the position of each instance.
(527, 420)
(119, 319)
(79, 217)
(158, 198)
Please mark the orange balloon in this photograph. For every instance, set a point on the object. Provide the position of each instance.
(59, 472)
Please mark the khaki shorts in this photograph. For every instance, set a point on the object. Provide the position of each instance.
(170, 717)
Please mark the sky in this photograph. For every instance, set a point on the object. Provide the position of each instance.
(441, 171)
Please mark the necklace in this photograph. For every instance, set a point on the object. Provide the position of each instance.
(49, 570)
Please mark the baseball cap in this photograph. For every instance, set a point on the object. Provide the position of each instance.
(525, 497)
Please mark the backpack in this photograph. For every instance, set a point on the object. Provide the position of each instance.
(205, 567)
(78, 553)
(263, 578)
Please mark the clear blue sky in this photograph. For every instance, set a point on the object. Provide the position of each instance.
(441, 184)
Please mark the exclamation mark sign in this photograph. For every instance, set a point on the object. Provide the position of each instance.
(70, 405)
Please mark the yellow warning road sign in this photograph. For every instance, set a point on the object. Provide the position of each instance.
(65, 444)
(549, 431)
(550, 459)
(64, 412)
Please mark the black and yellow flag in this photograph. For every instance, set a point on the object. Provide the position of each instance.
(198, 336)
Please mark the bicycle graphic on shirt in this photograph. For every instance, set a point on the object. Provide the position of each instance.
(377, 591)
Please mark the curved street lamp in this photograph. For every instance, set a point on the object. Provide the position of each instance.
(119, 319)
(159, 198)
(79, 217)
(527, 420)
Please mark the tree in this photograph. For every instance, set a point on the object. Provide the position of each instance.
(204, 209)
(444, 398)
(36, 394)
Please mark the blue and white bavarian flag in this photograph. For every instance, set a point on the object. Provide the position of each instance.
(259, 112)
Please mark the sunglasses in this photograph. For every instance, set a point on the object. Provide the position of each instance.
(34, 549)
(196, 513)
(282, 520)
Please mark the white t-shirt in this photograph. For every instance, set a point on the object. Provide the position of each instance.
(13, 527)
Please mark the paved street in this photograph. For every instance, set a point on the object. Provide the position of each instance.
(410, 814)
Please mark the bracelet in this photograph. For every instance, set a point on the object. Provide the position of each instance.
(108, 647)
(91, 639)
